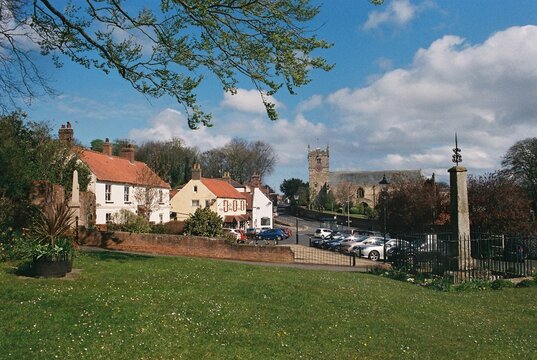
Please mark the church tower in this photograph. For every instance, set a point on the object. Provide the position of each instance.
(318, 171)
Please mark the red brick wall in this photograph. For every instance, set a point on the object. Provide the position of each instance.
(185, 246)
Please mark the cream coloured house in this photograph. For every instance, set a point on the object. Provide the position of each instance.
(216, 194)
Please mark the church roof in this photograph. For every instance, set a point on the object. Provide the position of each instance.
(371, 177)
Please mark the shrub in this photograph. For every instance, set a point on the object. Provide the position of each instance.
(440, 284)
(527, 283)
(473, 285)
(501, 284)
(204, 222)
(125, 220)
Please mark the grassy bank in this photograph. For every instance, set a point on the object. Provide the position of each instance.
(125, 306)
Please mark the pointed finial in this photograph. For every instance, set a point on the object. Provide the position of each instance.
(457, 157)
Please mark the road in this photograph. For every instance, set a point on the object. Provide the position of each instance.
(306, 228)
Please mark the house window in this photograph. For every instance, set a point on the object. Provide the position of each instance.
(207, 203)
(195, 203)
(226, 206)
(108, 217)
(195, 189)
(160, 197)
(107, 192)
(265, 221)
(126, 194)
(161, 217)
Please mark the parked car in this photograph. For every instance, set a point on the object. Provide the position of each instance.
(332, 244)
(287, 232)
(373, 250)
(239, 235)
(271, 234)
(250, 233)
(348, 246)
(322, 233)
(352, 239)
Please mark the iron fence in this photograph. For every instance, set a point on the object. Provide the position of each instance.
(310, 255)
(483, 256)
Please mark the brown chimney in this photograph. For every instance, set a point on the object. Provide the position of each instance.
(66, 134)
(256, 180)
(226, 177)
(128, 153)
(107, 147)
(196, 172)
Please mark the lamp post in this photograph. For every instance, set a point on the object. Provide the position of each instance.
(384, 187)
(296, 216)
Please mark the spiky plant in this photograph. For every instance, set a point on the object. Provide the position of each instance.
(51, 223)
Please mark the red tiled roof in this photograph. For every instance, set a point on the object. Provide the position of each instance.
(221, 188)
(119, 170)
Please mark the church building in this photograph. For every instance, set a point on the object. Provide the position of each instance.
(360, 187)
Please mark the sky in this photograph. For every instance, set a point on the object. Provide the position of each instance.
(408, 75)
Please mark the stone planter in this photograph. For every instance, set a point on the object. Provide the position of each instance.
(45, 267)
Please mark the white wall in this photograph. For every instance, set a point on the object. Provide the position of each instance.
(261, 207)
(116, 203)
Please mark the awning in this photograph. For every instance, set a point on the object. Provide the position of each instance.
(236, 218)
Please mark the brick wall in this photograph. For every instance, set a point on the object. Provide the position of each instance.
(185, 246)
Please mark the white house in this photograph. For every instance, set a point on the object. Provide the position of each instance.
(120, 182)
(260, 205)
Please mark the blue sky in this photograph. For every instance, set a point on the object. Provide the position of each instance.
(407, 76)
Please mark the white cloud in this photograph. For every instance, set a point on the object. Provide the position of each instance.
(398, 12)
(248, 101)
(312, 103)
(170, 123)
(407, 117)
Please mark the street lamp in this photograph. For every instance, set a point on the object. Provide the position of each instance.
(384, 187)
(296, 216)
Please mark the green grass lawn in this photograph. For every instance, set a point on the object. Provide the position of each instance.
(134, 307)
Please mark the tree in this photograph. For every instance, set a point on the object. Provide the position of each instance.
(29, 153)
(413, 205)
(170, 160)
(97, 145)
(325, 199)
(497, 204)
(147, 195)
(292, 187)
(520, 163)
(241, 159)
(344, 193)
(162, 50)
(204, 222)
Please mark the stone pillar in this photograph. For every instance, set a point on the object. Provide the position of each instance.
(460, 218)
(74, 204)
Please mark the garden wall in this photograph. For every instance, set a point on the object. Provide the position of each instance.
(185, 246)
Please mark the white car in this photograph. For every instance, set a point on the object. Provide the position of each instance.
(349, 244)
(322, 233)
(373, 251)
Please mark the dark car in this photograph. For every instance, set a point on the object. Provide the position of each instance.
(286, 231)
(271, 234)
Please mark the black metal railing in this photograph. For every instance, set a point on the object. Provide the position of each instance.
(310, 255)
(483, 256)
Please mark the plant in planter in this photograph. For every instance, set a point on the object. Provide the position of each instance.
(52, 247)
